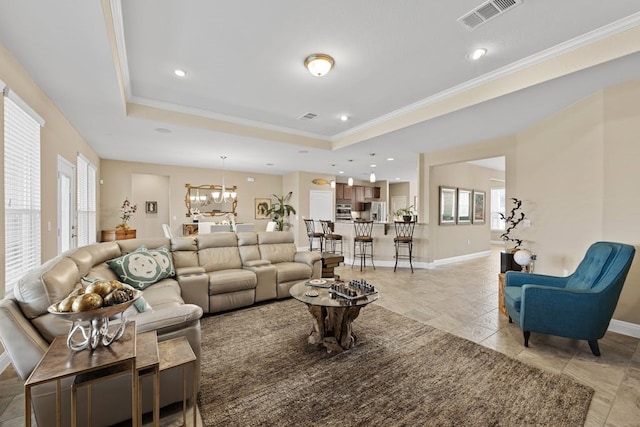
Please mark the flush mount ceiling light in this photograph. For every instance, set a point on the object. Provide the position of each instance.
(179, 72)
(477, 54)
(344, 117)
(319, 64)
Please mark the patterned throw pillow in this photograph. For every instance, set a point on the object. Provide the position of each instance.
(143, 267)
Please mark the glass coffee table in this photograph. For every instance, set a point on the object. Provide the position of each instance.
(333, 310)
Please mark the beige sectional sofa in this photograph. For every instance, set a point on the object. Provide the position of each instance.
(213, 273)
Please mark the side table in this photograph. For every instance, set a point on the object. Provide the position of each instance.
(501, 306)
(329, 262)
(60, 362)
(148, 364)
(174, 353)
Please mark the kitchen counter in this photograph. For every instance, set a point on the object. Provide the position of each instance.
(383, 246)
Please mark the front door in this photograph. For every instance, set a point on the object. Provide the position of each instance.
(66, 205)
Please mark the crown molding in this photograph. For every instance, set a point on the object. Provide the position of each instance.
(586, 39)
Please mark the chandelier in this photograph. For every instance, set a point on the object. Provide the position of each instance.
(224, 195)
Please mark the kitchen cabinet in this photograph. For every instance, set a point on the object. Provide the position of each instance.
(359, 193)
(371, 192)
(347, 192)
(368, 192)
(340, 190)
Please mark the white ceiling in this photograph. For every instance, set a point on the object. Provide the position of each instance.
(401, 75)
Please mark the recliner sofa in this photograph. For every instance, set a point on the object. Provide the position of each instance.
(214, 273)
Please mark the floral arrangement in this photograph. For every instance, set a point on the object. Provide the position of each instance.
(126, 210)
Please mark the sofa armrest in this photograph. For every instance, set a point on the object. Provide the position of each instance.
(22, 342)
(194, 288)
(307, 257)
(256, 263)
(185, 271)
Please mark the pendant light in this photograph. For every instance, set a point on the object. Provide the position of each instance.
(224, 195)
(350, 180)
(372, 177)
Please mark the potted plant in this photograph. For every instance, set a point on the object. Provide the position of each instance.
(405, 213)
(126, 210)
(280, 211)
(516, 216)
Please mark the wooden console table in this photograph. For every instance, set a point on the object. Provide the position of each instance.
(113, 235)
(501, 306)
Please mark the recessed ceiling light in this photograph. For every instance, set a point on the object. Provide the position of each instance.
(341, 172)
(397, 179)
(477, 54)
(179, 72)
(344, 117)
(372, 166)
(269, 164)
(303, 152)
(163, 130)
(390, 159)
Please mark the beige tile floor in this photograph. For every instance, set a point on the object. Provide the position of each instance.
(462, 298)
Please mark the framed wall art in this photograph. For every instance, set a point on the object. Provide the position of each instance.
(262, 207)
(151, 207)
(464, 206)
(478, 207)
(447, 206)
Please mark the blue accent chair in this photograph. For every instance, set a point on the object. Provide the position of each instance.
(579, 306)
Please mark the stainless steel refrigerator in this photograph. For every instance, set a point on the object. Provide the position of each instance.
(379, 211)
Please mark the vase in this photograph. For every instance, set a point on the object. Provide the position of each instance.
(122, 227)
(507, 263)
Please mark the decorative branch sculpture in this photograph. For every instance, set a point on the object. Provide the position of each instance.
(515, 217)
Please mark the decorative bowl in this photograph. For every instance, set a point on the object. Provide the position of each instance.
(97, 331)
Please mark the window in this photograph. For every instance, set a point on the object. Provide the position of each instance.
(86, 201)
(21, 189)
(497, 208)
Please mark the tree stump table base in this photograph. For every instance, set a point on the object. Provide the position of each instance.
(332, 327)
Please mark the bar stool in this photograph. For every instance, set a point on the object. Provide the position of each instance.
(362, 240)
(311, 232)
(404, 236)
(330, 237)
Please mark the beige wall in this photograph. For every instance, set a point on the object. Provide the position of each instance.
(58, 137)
(118, 179)
(462, 239)
(576, 173)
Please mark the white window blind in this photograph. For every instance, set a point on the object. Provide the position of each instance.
(21, 191)
(86, 201)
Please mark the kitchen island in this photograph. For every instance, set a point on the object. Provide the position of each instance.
(383, 247)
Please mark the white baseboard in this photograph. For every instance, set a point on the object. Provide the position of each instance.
(461, 258)
(4, 361)
(388, 263)
(624, 328)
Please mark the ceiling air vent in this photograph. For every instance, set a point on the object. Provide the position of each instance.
(486, 12)
(308, 116)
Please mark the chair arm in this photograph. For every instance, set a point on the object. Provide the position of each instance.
(570, 313)
(308, 257)
(22, 342)
(516, 278)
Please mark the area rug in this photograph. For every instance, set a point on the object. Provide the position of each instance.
(258, 370)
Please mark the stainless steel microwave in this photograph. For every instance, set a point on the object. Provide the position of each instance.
(343, 211)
